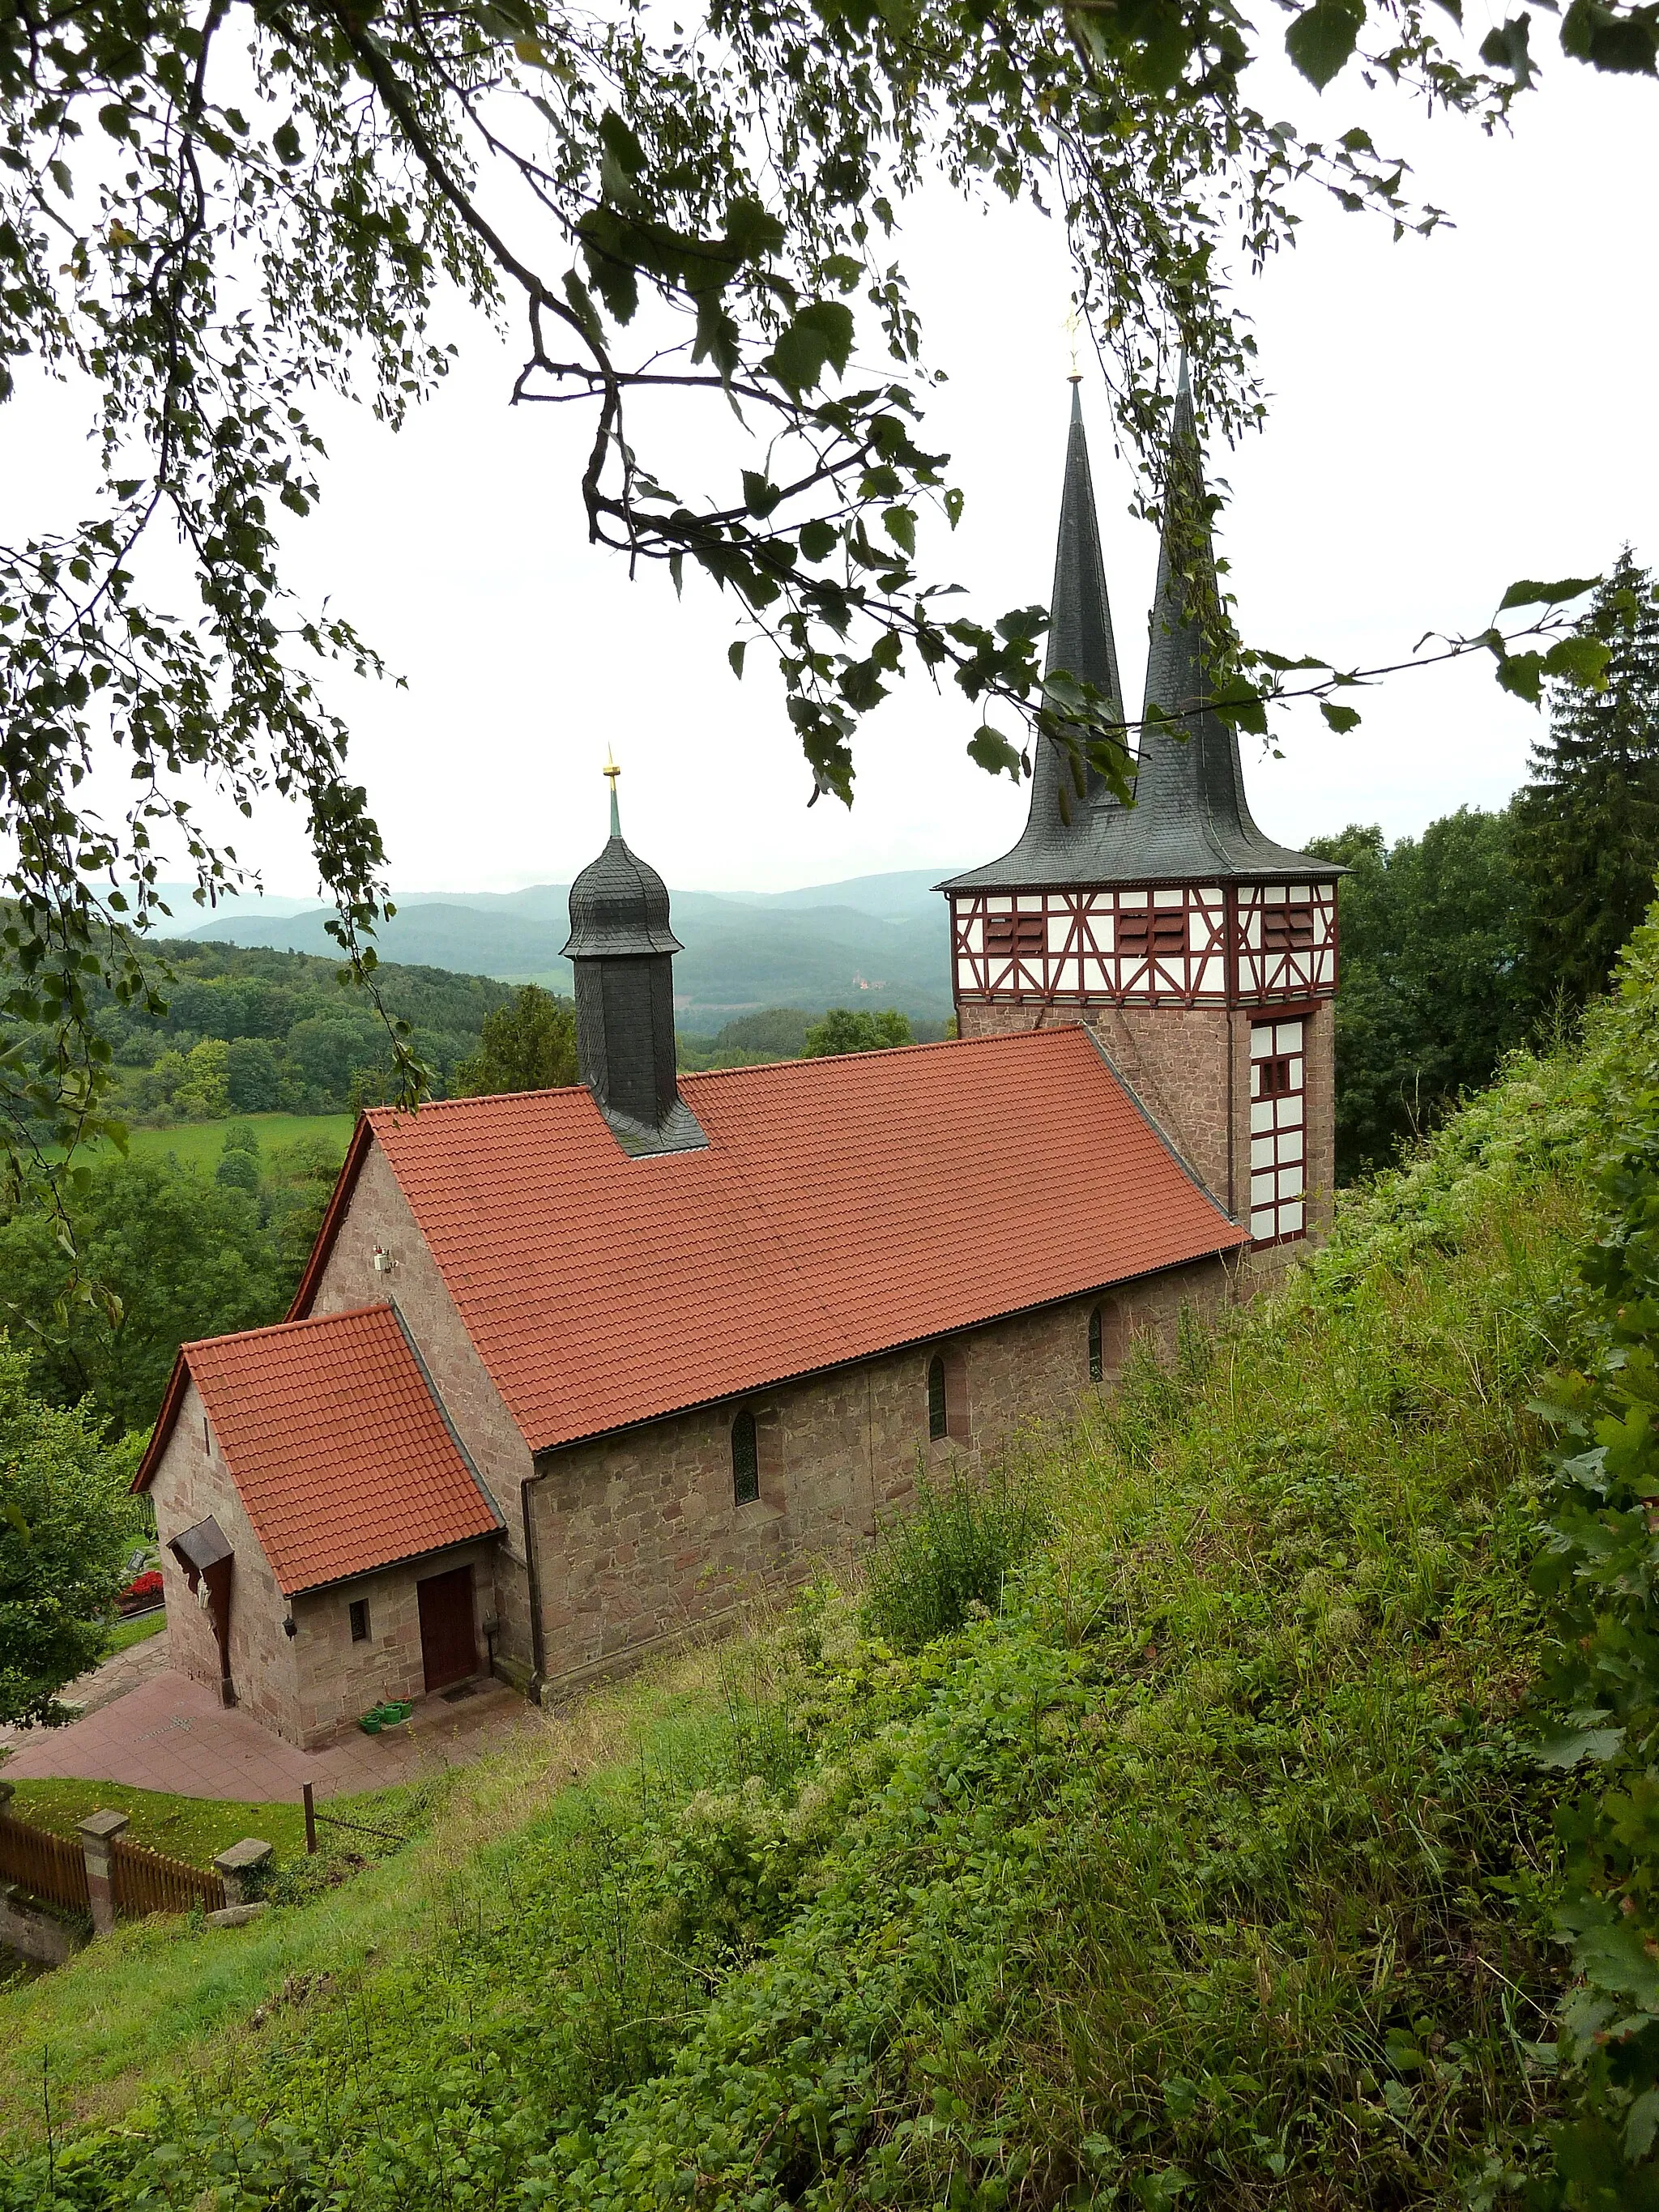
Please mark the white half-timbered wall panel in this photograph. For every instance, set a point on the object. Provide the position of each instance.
(1160, 944)
(1278, 1133)
(1287, 940)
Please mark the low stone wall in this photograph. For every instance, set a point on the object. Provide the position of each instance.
(44, 1938)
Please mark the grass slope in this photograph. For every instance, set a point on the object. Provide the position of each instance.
(1207, 1867)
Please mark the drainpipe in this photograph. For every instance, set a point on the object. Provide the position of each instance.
(533, 1577)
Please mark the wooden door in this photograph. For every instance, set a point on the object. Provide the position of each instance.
(449, 1650)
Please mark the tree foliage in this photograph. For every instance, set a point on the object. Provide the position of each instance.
(67, 1528)
(1586, 840)
(844, 1029)
(530, 1045)
(182, 1255)
(779, 1031)
(1431, 992)
(209, 212)
(250, 1031)
(1598, 1696)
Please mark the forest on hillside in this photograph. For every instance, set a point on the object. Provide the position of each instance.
(244, 1030)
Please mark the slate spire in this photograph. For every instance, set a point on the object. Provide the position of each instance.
(1058, 846)
(1190, 822)
(1190, 773)
(1191, 817)
(1080, 640)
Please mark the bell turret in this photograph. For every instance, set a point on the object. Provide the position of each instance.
(622, 951)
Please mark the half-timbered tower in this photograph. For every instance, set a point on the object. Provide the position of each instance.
(1200, 953)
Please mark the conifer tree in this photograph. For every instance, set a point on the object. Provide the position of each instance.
(1586, 838)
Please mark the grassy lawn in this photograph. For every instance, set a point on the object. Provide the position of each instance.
(126, 1632)
(199, 1144)
(188, 1828)
(158, 2000)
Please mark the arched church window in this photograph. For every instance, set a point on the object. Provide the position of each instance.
(937, 1423)
(745, 1460)
(1096, 1361)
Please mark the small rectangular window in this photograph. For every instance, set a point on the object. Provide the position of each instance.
(745, 1460)
(1019, 933)
(1162, 931)
(937, 1423)
(360, 1620)
(1273, 1076)
(1287, 928)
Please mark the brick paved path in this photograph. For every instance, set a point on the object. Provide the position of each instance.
(168, 1733)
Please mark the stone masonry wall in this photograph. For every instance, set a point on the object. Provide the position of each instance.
(337, 1680)
(306, 1686)
(192, 1482)
(378, 1214)
(1319, 1049)
(637, 1535)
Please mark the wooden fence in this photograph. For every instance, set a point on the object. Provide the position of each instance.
(148, 1881)
(48, 1866)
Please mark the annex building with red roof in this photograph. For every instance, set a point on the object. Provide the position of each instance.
(571, 1372)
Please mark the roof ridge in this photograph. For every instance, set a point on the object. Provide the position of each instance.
(881, 1052)
(373, 1114)
(289, 1328)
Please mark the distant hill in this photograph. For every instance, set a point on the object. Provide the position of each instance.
(873, 941)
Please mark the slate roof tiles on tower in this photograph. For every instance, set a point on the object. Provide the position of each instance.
(1191, 822)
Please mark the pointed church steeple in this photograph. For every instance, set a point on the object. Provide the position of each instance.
(1080, 640)
(1061, 831)
(1201, 956)
(1191, 817)
(1190, 820)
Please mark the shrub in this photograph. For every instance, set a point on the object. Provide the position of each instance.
(952, 1551)
(238, 1172)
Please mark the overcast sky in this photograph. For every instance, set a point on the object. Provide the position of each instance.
(1447, 414)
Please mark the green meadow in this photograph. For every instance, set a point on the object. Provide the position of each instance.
(200, 1144)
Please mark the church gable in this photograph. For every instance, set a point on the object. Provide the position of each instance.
(340, 1456)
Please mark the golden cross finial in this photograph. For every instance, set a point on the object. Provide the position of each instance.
(1072, 325)
(610, 769)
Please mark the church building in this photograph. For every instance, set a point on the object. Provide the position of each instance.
(572, 1372)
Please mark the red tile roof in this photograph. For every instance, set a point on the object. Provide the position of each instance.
(337, 1449)
(843, 1206)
